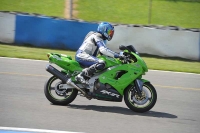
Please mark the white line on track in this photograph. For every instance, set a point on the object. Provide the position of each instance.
(32, 130)
(22, 59)
(174, 72)
(47, 61)
(22, 74)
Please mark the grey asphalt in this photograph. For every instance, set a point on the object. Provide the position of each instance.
(23, 104)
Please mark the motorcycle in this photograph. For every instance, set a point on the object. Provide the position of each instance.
(121, 78)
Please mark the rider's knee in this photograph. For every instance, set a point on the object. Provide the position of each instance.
(100, 65)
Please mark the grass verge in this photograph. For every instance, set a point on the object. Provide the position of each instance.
(45, 7)
(163, 12)
(156, 63)
(183, 13)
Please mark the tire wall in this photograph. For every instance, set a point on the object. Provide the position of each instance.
(161, 42)
(51, 32)
(7, 27)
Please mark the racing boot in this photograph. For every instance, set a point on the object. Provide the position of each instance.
(86, 73)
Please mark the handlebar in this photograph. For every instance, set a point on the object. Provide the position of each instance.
(127, 58)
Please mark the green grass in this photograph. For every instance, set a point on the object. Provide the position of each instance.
(182, 13)
(29, 52)
(45, 7)
(173, 64)
(152, 63)
(164, 12)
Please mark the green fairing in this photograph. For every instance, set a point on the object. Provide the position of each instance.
(133, 70)
(65, 62)
(141, 62)
(110, 61)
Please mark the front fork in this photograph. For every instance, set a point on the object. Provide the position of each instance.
(139, 86)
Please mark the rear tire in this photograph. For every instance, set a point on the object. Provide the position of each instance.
(56, 99)
(141, 104)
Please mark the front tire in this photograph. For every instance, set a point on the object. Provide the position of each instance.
(143, 103)
(58, 98)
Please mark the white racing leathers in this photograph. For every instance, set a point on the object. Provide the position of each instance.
(92, 45)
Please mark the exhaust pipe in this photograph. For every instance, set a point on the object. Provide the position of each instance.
(69, 82)
(62, 77)
(56, 73)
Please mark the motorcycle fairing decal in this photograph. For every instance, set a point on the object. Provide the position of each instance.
(107, 93)
(110, 93)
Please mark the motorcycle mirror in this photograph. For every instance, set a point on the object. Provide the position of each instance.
(122, 47)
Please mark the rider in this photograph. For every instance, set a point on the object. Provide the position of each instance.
(93, 44)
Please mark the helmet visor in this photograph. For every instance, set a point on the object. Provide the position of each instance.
(110, 34)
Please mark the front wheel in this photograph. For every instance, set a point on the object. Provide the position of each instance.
(56, 95)
(141, 103)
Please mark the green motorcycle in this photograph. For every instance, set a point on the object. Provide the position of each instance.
(120, 78)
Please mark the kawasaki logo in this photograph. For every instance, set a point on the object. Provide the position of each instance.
(110, 93)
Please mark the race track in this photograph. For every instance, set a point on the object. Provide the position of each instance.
(23, 104)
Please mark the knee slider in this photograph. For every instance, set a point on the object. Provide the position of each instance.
(100, 65)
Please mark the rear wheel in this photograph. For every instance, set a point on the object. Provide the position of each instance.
(141, 103)
(56, 95)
